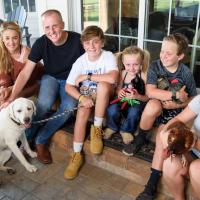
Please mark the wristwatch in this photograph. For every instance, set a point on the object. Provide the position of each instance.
(174, 95)
(89, 76)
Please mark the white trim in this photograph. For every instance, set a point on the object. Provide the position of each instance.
(141, 23)
(74, 13)
(2, 14)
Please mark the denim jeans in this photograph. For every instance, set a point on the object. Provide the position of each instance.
(125, 121)
(50, 89)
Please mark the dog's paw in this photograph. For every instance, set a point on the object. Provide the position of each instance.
(32, 154)
(31, 168)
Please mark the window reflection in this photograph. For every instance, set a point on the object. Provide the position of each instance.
(15, 4)
(156, 19)
(196, 71)
(7, 6)
(121, 26)
(24, 3)
(32, 6)
(184, 17)
(129, 17)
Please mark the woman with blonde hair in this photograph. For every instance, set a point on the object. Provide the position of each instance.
(13, 56)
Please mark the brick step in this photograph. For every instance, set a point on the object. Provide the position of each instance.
(114, 161)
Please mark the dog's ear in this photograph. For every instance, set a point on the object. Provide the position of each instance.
(11, 110)
(33, 106)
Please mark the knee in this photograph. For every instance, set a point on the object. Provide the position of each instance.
(194, 169)
(153, 108)
(103, 88)
(112, 110)
(134, 114)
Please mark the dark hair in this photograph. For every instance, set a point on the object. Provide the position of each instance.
(92, 31)
(180, 40)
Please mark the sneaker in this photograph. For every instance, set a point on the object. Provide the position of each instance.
(108, 132)
(96, 143)
(138, 144)
(74, 165)
(126, 137)
(149, 193)
(145, 196)
(128, 149)
(132, 148)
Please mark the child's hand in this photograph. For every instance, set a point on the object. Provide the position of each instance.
(121, 93)
(80, 79)
(182, 94)
(132, 94)
(87, 102)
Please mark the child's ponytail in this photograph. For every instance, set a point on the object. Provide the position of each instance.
(146, 60)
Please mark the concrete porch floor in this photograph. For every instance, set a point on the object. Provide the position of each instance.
(93, 183)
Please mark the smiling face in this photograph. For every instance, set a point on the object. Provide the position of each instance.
(11, 40)
(93, 47)
(169, 54)
(53, 27)
(132, 63)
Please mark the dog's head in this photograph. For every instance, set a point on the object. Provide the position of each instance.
(21, 111)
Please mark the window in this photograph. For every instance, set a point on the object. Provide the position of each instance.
(118, 19)
(123, 25)
(9, 5)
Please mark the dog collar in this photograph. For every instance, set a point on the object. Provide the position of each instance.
(15, 121)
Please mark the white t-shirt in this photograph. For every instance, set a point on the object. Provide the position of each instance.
(194, 106)
(105, 64)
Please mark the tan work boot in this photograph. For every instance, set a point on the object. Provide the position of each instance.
(74, 165)
(126, 137)
(96, 143)
(108, 132)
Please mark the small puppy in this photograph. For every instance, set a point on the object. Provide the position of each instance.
(14, 120)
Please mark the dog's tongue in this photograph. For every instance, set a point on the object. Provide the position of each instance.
(27, 125)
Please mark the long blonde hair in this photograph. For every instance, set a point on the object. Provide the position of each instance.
(5, 57)
(143, 54)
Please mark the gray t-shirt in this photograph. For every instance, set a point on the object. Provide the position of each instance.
(183, 75)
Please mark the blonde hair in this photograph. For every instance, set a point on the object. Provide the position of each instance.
(143, 54)
(5, 57)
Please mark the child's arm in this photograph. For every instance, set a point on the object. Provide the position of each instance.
(174, 105)
(110, 77)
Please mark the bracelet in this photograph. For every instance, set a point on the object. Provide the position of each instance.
(80, 99)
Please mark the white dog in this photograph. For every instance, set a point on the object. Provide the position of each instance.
(14, 119)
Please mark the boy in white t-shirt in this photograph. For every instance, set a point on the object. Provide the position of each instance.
(91, 81)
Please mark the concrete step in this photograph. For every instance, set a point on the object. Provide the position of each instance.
(114, 161)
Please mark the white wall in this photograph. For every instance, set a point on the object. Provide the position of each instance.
(70, 10)
(2, 16)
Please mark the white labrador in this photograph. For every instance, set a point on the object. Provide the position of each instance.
(14, 120)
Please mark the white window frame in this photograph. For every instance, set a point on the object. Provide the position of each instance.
(19, 1)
